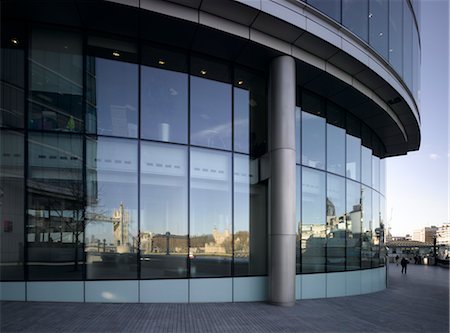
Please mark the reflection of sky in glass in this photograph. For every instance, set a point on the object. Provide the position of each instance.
(163, 189)
(353, 157)
(313, 140)
(164, 105)
(335, 149)
(112, 178)
(116, 87)
(241, 193)
(210, 113)
(313, 197)
(241, 120)
(210, 191)
(366, 166)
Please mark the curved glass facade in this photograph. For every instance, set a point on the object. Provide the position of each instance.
(340, 190)
(390, 27)
(130, 161)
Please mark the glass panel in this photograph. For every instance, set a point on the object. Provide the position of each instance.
(56, 80)
(111, 103)
(383, 230)
(331, 8)
(407, 45)
(11, 203)
(55, 207)
(383, 176)
(353, 214)
(335, 223)
(12, 76)
(210, 105)
(313, 221)
(112, 218)
(298, 217)
(378, 26)
(210, 213)
(366, 166)
(353, 158)
(335, 149)
(250, 218)
(396, 35)
(298, 141)
(375, 229)
(355, 15)
(164, 211)
(415, 64)
(376, 173)
(250, 113)
(313, 140)
(164, 96)
(366, 241)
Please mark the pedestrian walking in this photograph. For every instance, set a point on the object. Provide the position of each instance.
(404, 264)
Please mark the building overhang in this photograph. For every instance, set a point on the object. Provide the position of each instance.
(331, 61)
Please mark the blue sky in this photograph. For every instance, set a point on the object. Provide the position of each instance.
(418, 184)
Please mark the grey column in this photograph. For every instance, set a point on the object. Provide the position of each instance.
(282, 189)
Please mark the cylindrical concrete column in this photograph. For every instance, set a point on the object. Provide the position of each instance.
(282, 181)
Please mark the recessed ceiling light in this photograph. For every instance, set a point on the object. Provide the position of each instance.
(203, 72)
(240, 82)
(370, 15)
(116, 54)
(380, 34)
(161, 62)
(14, 41)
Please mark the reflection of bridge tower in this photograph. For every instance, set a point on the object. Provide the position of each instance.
(121, 221)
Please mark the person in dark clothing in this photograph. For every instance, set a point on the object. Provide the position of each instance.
(404, 264)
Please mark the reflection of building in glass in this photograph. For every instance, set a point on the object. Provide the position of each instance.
(173, 165)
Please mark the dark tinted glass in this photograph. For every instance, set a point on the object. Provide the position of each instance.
(56, 81)
(366, 235)
(111, 217)
(250, 115)
(396, 35)
(210, 231)
(355, 15)
(11, 203)
(354, 216)
(407, 45)
(210, 104)
(164, 210)
(164, 96)
(111, 87)
(313, 221)
(313, 140)
(335, 150)
(55, 230)
(250, 218)
(12, 75)
(378, 26)
(331, 8)
(336, 232)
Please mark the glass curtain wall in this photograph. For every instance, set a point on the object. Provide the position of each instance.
(388, 26)
(339, 211)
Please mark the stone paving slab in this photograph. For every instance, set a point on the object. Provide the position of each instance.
(416, 302)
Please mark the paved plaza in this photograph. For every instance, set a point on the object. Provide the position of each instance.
(416, 302)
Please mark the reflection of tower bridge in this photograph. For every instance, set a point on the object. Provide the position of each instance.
(120, 220)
